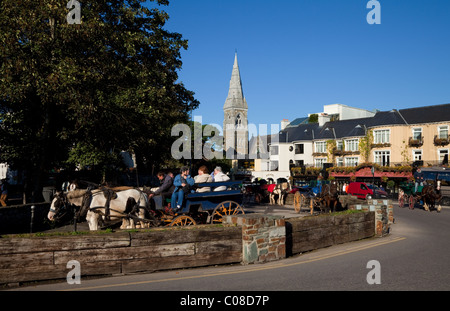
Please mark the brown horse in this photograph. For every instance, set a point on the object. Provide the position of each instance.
(430, 196)
(329, 197)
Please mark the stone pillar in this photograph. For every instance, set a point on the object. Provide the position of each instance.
(384, 214)
(263, 237)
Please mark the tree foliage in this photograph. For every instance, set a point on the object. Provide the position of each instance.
(78, 93)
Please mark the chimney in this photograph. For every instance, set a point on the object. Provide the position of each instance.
(323, 118)
(284, 123)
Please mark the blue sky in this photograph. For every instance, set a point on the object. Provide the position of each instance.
(297, 56)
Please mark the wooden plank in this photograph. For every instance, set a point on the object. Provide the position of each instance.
(57, 243)
(19, 261)
(55, 272)
(306, 223)
(131, 253)
(180, 262)
(185, 235)
(210, 247)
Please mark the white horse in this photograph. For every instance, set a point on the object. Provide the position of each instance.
(279, 190)
(62, 201)
(117, 205)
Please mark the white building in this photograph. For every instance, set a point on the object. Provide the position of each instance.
(294, 146)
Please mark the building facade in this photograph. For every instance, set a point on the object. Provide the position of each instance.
(395, 138)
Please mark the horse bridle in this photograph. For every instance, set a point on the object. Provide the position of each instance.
(61, 204)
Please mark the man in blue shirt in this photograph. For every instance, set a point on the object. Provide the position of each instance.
(182, 182)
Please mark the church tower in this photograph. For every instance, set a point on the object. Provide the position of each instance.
(235, 123)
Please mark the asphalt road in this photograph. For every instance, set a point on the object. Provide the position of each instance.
(415, 256)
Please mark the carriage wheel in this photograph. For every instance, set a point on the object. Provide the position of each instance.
(183, 221)
(226, 208)
(411, 202)
(312, 203)
(297, 202)
(401, 201)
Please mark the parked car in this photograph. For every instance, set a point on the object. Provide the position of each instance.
(380, 193)
(364, 191)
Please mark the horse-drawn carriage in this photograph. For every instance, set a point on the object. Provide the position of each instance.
(133, 207)
(322, 196)
(407, 194)
(262, 192)
(427, 196)
(204, 207)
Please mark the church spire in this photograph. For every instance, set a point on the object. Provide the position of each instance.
(235, 97)
(235, 123)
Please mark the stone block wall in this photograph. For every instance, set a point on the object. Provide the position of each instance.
(263, 237)
(384, 214)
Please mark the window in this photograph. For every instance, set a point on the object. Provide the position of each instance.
(273, 150)
(382, 158)
(299, 163)
(417, 155)
(339, 162)
(353, 161)
(299, 149)
(274, 165)
(443, 132)
(381, 136)
(417, 133)
(340, 145)
(351, 145)
(319, 162)
(238, 121)
(443, 155)
(321, 147)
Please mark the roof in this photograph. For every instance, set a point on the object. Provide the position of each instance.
(299, 130)
(298, 121)
(427, 114)
(340, 129)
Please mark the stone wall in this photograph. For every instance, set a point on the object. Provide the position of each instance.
(384, 214)
(250, 238)
(263, 237)
(267, 238)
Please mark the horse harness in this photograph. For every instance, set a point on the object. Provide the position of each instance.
(62, 206)
(131, 209)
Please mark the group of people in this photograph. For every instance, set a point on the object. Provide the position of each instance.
(183, 183)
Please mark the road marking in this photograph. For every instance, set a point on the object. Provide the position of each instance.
(268, 266)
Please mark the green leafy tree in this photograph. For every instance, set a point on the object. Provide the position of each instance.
(82, 93)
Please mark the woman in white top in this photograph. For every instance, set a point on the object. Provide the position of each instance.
(202, 177)
(220, 176)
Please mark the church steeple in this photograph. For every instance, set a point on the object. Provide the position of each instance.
(235, 97)
(235, 122)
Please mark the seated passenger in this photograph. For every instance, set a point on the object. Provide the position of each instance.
(164, 191)
(182, 182)
(202, 177)
(220, 176)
